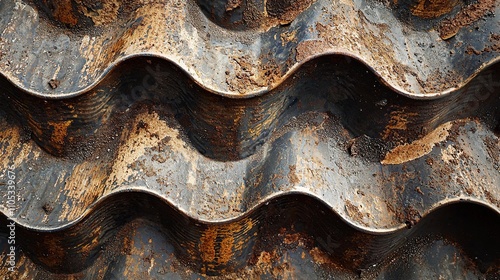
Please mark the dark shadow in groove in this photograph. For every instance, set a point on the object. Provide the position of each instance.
(204, 247)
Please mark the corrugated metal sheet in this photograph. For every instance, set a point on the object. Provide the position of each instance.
(250, 139)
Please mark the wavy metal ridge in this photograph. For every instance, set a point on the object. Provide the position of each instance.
(234, 243)
(408, 56)
(251, 139)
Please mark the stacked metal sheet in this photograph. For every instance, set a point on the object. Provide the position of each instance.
(232, 139)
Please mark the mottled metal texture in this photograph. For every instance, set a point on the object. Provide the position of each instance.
(250, 139)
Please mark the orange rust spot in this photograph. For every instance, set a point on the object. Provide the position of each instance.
(266, 258)
(468, 15)
(319, 256)
(417, 148)
(430, 9)
(219, 243)
(63, 12)
(353, 211)
(226, 249)
(398, 121)
(207, 244)
(106, 15)
(308, 48)
(60, 130)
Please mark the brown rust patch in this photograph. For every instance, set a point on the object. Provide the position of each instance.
(101, 13)
(292, 176)
(286, 10)
(308, 48)
(430, 9)
(495, 40)
(63, 12)
(218, 243)
(207, 244)
(353, 212)
(233, 4)
(287, 37)
(494, 47)
(398, 122)
(83, 187)
(226, 249)
(248, 74)
(59, 133)
(468, 15)
(319, 256)
(342, 38)
(55, 254)
(419, 147)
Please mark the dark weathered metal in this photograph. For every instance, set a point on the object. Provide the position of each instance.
(243, 139)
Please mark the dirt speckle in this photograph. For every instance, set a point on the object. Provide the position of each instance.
(371, 149)
(54, 83)
(471, 50)
(47, 208)
(493, 149)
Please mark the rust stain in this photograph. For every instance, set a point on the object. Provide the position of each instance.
(25, 152)
(398, 121)
(250, 73)
(287, 37)
(493, 148)
(353, 212)
(106, 14)
(338, 37)
(265, 258)
(218, 245)
(319, 257)
(55, 253)
(306, 49)
(233, 4)
(468, 15)
(286, 11)
(226, 249)
(207, 244)
(63, 12)
(59, 133)
(292, 176)
(419, 147)
(430, 9)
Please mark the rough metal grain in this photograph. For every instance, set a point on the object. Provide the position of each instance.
(251, 139)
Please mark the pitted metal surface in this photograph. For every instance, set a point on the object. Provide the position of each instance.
(249, 139)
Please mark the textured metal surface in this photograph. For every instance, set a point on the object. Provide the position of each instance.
(275, 139)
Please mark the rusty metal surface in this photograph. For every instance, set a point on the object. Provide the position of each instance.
(247, 139)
